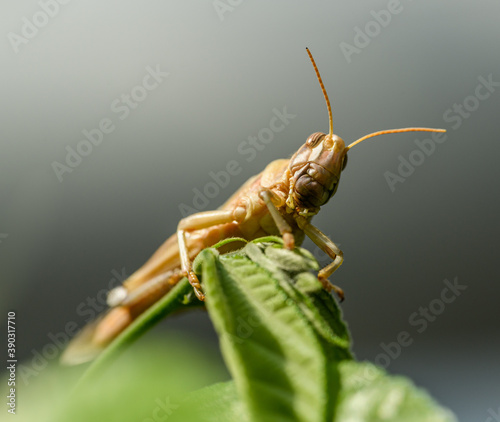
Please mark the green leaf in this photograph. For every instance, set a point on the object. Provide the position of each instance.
(369, 394)
(275, 341)
(216, 403)
(287, 348)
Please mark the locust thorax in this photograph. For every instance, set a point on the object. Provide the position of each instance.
(315, 172)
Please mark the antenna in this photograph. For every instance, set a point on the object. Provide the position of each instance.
(385, 132)
(330, 118)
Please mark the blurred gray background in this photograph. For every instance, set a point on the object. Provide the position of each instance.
(63, 239)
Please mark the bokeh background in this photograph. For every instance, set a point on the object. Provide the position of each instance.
(229, 65)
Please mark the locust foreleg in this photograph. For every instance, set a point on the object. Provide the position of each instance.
(330, 248)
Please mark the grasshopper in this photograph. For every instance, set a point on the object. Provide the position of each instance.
(281, 200)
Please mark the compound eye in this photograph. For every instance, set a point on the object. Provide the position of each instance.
(315, 139)
(344, 163)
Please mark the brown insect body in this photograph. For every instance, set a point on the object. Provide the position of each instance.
(281, 200)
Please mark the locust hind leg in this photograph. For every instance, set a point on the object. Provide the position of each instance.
(331, 249)
(146, 293)
(126, 305)
(199, 221)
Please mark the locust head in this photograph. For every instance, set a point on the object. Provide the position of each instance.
(314, 170)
